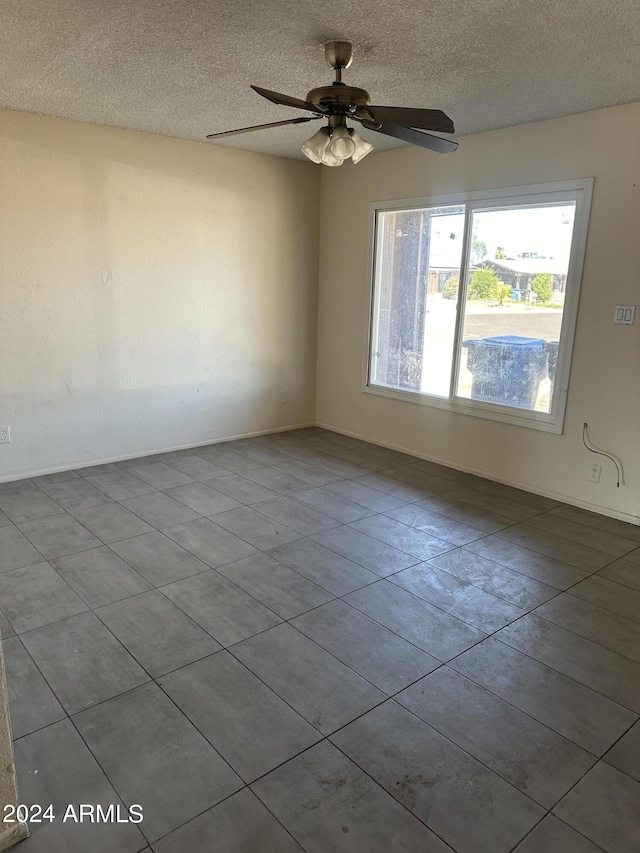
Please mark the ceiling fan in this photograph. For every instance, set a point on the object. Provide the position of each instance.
(336, 142)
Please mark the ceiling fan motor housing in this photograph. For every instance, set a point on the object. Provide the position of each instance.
(339, 99)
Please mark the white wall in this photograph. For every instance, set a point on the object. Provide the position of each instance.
(154, 293)
(604, 388)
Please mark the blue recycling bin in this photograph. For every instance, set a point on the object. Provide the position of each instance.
(507, 369)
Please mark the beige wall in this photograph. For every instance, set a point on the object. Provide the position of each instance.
(154, 293)
(604, 388)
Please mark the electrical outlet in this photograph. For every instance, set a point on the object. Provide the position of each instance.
(5, 435)
(594, 473)
(284, 396)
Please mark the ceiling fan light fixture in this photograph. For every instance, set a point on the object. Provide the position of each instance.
(316, 147)
(361, 147)
(342, 145)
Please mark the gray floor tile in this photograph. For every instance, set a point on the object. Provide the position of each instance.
(329, 804)
(99, 576)
(553, 836)
(363, 458)
(15, 550)
(55, 766)
(119, 484)
(510, 493)
(610, 595)
(209, 542)
(372, 499)
(537, 566)
(340, 509)
(232, 708)
(414, 619)
(159, 475)
(220, 607)
(505, 508)
(602, 670)
(156, 632)
(601, 522)
(593, 537)
(255, 528)
(204, 499)
(141, 738)
(240, 489)
(494, 578)
(391, 486)
(299, 517)
(55, 477)
(36, 595)
(463, 600)
(602, 626)
(96, 470)
(58, 536)
(605, 806)
(633, 556)
(4, 520)
(272, 478)
(259, 455)
(424, 771)
(579, 714)
(159, 559)
(625, 754)
(533, 758)
(111, 522)
(82, 661)
(224, 458)
(27, 502)
(435, 525)
(75, 493)
(386, 660)
(313, 682)
(622, 571)
(196, 467)
(365, 551)
(324, 567)
(5, 628)
(339, 467)
(277, 587)
(461, 477)
(483, 519)
(573, 553)
(429, 484)
(160, 510)
(307, 471)
(401, 536)
(31, 702)
(240, 824)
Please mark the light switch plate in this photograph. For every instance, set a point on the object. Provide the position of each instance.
(625, 314)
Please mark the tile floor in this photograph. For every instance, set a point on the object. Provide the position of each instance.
(305, 642)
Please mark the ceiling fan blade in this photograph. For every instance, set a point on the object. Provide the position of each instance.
(408, 117)
(415, 137)
(262, 126)
(286, 100)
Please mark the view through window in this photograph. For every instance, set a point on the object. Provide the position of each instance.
(469, 300)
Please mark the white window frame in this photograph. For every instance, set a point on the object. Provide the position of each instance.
(579, 191)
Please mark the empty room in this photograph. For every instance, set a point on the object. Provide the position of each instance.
(319, 427)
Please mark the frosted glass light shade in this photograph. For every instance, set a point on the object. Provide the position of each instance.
(342, 145)
(361, 147)
(316, 147)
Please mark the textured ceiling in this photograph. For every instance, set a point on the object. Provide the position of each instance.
(183, 67)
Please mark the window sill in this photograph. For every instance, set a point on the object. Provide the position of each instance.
(552, 423)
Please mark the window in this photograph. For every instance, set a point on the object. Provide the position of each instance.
(475, 300)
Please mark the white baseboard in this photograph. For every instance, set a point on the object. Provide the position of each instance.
(76, 466)
(547, 493)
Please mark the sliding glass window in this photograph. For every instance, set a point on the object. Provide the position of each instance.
(475, 300)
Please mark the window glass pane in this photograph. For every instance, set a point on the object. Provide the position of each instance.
(516, 287)
(417, 270)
